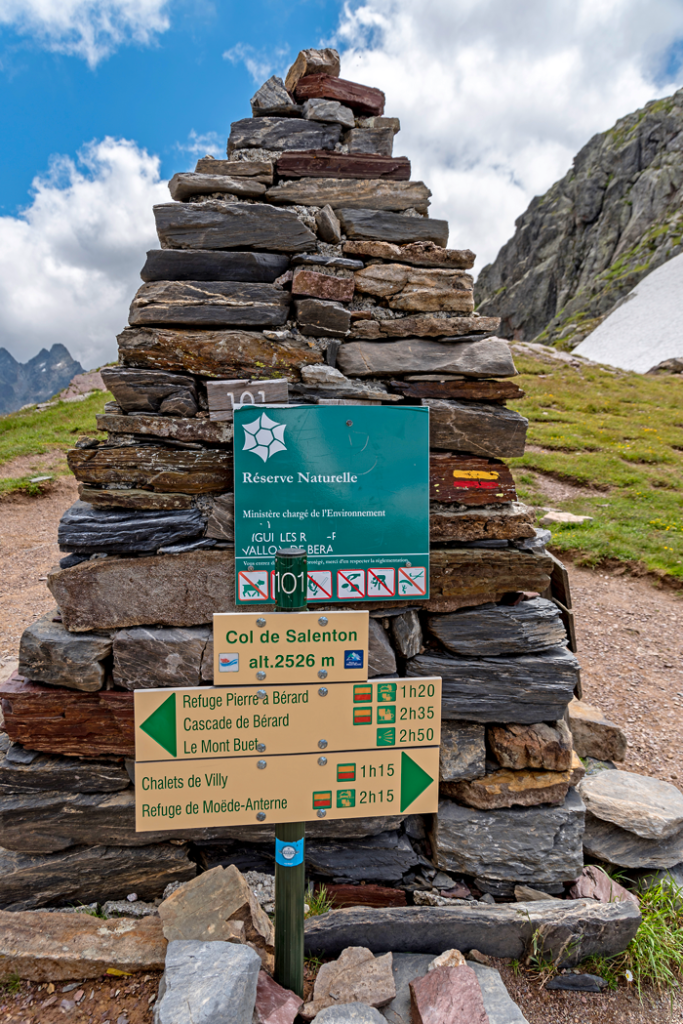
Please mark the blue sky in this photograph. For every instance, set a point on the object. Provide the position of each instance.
(157, 94)
(102, 100)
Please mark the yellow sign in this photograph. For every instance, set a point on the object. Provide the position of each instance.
(238, 722)
(292, 787)
(289, 647)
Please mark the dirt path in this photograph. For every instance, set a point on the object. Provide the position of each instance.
(630, 640)
(28, 549)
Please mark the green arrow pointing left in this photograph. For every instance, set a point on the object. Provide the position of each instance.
(414, 780)
(161, 726)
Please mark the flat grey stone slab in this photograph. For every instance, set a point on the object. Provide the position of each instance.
(27, 771)
(501, 1009)
(48, 653)
(380, 226)
(277, 133)
(87, 529)
(650, 808)
(207, 265)
(616, 845)
(525, 688)
(349, 1013)
(492, 629)
(579, 928)
(87, 873)
(522, 844)
(216, 225)
(207, 983)
(382, 858)
(149, 656)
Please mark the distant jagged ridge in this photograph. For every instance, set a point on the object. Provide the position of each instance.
(580, 249)
(38, 379)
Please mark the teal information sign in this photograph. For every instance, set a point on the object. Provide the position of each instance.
(350, 484)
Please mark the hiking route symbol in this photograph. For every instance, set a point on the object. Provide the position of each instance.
(264, 437)
(253, 586)
(412, 581)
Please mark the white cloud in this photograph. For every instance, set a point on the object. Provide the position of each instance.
(260, 64)
(91, 29)
(70, 262)
(495, 98)
(208, 144)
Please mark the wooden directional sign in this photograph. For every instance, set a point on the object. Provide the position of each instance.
(286, 647)
(292, 787)
(236, 722)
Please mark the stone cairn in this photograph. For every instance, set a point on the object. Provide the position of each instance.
(306, 260)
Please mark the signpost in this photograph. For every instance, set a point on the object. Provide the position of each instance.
(275, 647)
(292, 729)
(349, 484)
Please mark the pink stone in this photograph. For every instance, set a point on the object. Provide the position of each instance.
(274, 1004)
(594, 884)
(448, 994)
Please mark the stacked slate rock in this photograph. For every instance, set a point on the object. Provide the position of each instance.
(305, 266)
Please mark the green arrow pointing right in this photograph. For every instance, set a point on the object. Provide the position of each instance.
(161, 726)
(414, 780)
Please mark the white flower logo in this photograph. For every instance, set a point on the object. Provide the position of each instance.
(264, 437)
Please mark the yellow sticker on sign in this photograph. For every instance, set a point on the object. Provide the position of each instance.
(293, 787)
(289, 647)
(241, 721)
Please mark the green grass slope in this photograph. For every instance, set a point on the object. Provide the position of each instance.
(619, 438)
(31, 434)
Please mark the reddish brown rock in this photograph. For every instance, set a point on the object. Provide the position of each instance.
(471, 390)
(426, 326)
(469, 480)
(312, 62)
(596, 884)
(361, 98)
(55, 720)
(532, 746)
(448, 994)
(365, 896)
(418, 254)
(42, 946)
(321, 163)
(594, 735)
(274, 1004)
(322, 286)
(506, 788)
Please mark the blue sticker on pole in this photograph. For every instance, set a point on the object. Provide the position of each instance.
(288, 855)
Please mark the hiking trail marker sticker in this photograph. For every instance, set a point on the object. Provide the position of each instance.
(350, 484)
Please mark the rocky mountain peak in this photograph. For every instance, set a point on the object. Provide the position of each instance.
(579, 249)
(38, 379)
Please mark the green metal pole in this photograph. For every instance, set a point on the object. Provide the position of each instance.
(290, 872)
